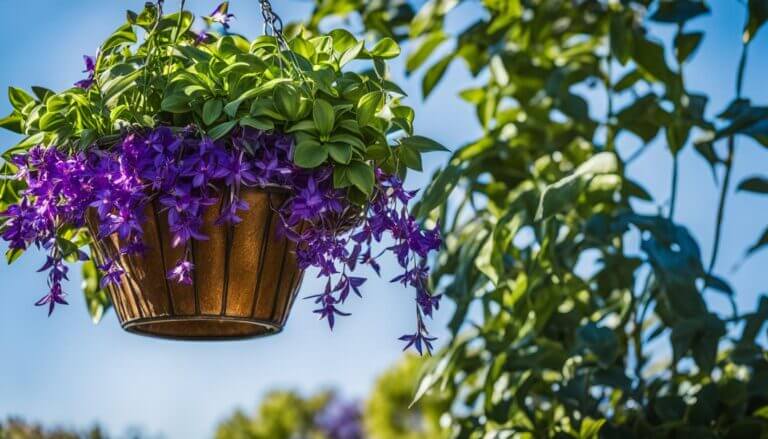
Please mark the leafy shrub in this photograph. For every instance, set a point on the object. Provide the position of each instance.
(542, 347)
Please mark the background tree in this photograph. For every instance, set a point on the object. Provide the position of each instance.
(557, 350)
(16, 428)
(387, 413)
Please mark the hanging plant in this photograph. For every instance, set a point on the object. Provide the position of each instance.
(206, 172)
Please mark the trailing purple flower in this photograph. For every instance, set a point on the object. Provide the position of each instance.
(183, 175)
(90, 69)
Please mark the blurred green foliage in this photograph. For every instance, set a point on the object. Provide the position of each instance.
(564, 326)
(15, 428)
(386, 414)
(281, 415)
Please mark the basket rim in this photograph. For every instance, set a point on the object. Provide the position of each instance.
(133, 326)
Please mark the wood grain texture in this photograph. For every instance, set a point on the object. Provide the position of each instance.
(245, 280)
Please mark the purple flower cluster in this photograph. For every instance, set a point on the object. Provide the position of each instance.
(341, 419)
(335, 253)
(186, 173)
(90, 69)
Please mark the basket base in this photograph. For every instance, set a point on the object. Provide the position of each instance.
(208, 328)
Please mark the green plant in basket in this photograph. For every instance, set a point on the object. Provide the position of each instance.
(180, 122)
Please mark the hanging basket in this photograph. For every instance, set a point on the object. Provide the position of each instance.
(245, 280)
(214, 122)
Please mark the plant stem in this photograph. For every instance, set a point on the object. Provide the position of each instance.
(673, 197)
(728, 166)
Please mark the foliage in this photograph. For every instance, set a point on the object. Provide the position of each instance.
(281, 414)
(543, 345)
(15, 428)
(187, 119)
(387, 414)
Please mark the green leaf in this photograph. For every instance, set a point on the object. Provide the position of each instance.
(19, 98)
(12, 122)
(601, 341)
(340, 178)
(42, 93)
(340, 152)
(649, 55)
(686, 44)
(439, 189)
(435, 74)
(754, 184)
(590, 428)
(221, 129)
(361, 176)
(378, 152)
(349, 139)
(122, 36)
(232, 107)
(386, 48)
(87, 138)
(367, 107)
(257, 123)
(559, 196)
(96, 299)
(433, 372)
(427, 47)
(115, 87)
(13, 254)
(352, 53)
(621, 37)
(758, 14)
(265, 107)
(177, 103)
(410, 157)
(212, 111)
(324, 117)
(669, 408)
(762, 242)
(310, 154)
(679, 11)
(343, 40)
(25, 144)
(422, 144)
(287, 100)
(304, 125)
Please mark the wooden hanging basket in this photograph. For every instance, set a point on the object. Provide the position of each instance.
(245, 281)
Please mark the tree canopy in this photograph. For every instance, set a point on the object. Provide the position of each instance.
(630, 347)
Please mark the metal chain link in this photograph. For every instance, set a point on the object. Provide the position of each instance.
(273, 26)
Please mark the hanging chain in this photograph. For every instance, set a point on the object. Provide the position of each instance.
(273, 24)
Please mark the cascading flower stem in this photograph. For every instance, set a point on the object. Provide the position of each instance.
(178, 123)
(185, 173)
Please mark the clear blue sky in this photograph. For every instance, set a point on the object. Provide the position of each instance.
(63, 370)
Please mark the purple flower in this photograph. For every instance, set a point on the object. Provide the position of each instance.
(182, 272)
(112, 273)
(229, 212)
(55, 296)
(201, 38)
(420, 339)
(428, 302)
(185, 175)
(239, 171)
(221, 15)
(90, 69)
(327, 309)
(341, 420)
(308, 203)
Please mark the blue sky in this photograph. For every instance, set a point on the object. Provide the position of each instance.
(63, 370)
